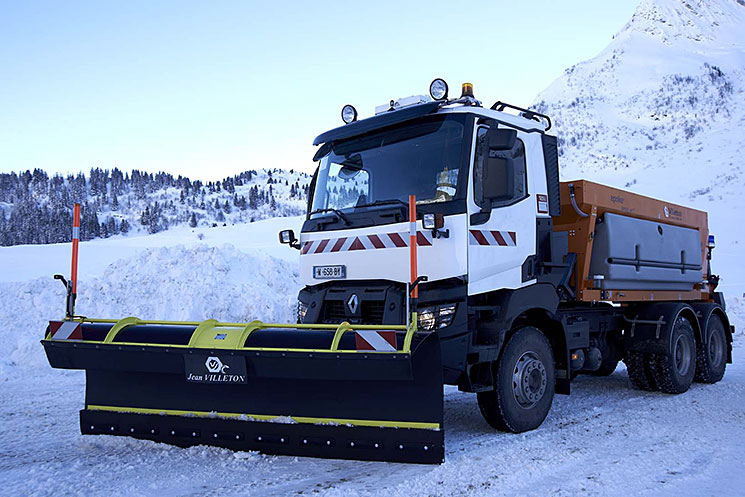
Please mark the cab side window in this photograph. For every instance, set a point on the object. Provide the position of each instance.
(499, 176)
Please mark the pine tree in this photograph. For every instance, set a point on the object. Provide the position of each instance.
(145, 216)
(253, 198)
(193, 220)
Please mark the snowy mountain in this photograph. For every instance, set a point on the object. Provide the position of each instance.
(36, 208)
(661, 111)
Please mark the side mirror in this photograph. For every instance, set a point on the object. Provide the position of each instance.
(287, 237)
(500, 139)
(499, 166)
(499, 178)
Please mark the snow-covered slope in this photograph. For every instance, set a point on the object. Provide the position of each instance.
(36, 208)
(661, 111)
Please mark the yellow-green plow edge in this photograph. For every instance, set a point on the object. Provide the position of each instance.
(237, 333)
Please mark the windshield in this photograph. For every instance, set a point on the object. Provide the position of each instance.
(423, 158)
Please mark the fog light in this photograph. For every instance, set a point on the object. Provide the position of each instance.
(438, 89)
(348, 114)
(302, 310)
(426, 319)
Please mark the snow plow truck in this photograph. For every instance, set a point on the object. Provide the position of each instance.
(439, 248)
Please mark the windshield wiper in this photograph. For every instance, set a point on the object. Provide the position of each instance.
(392, 201)
(338, 213)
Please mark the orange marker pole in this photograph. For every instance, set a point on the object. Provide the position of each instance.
(413, 245)
(74, 268)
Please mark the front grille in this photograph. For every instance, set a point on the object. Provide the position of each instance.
(372, 311)
(336, 311)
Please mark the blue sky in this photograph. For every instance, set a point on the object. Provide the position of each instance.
(209, 89)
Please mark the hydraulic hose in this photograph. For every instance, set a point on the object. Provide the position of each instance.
(574, 201)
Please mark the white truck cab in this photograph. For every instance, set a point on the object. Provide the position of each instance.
(508, 289)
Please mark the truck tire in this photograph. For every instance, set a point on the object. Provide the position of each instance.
(640, 368)
(674, 371)
(711, 356)
(524, 383)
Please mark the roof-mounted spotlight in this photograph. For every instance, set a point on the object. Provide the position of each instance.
(348, 114)
(438, 89)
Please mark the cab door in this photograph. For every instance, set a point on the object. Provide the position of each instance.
(501, 213)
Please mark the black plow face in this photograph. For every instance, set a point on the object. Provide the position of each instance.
(342, 404)
(296, 439)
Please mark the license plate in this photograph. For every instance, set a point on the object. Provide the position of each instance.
(329, 272)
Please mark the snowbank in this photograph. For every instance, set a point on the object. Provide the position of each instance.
(168, 283)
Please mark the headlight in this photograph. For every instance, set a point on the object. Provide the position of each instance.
(438, 89)
(302, 310)
(435, 317)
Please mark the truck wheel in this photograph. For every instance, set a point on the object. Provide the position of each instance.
(711, 357)
(641, 367)
(524, 385)
(674, 371)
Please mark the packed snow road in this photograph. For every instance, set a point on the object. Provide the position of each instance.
(604, 439)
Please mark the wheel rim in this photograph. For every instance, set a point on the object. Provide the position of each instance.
(529, 380)
(682, 355)
(716, 349)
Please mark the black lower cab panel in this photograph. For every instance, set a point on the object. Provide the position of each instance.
(295, 439)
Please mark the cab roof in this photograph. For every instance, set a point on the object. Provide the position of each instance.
(393, 117)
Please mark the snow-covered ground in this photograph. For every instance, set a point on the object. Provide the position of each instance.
(604, 439)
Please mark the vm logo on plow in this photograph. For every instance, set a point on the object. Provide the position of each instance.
(215, 365)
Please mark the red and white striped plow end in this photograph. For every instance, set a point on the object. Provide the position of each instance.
(65, 330)
(381, 341)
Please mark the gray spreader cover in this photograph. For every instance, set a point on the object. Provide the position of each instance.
(634, 254)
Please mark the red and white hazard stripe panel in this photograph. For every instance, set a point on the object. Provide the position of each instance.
(65, 330)
(492, 237)
(365, 242)
(381, 341)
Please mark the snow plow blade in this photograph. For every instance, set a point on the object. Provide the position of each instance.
(302, 390)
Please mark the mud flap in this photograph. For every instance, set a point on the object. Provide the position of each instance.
(344, 404)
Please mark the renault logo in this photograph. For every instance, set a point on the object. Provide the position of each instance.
(353, 302)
